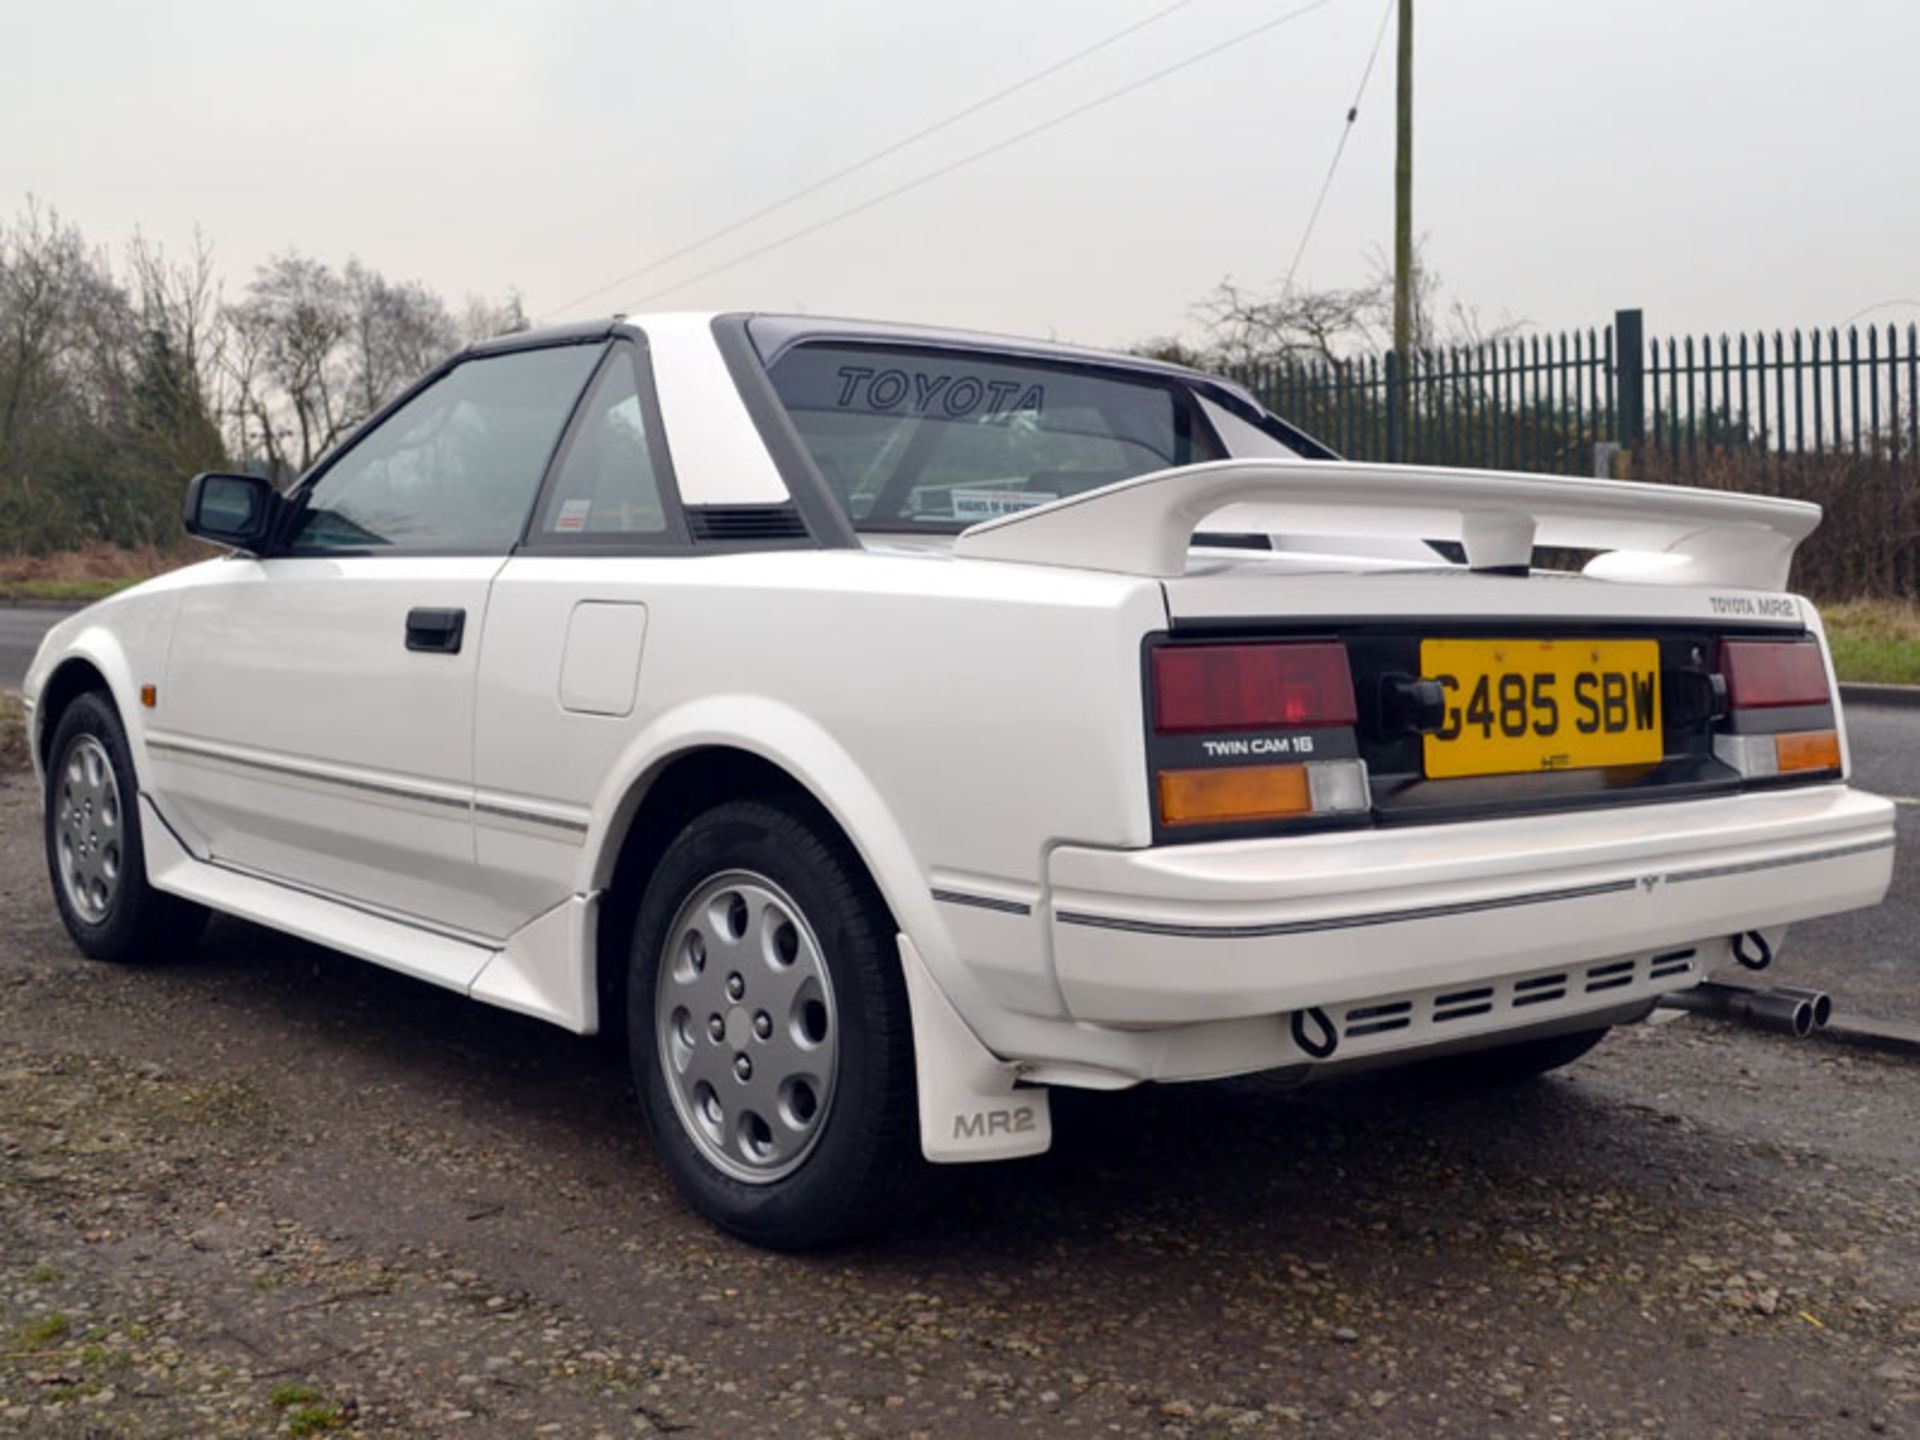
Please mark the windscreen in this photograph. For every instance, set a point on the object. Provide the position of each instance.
(939, 439)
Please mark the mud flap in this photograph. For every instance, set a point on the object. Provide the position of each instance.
(970, 1108)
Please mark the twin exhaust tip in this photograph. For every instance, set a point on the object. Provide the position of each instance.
(1782, 1009)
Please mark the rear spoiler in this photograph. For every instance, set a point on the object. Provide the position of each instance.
(1655, 534)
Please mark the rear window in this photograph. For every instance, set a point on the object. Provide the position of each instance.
(939, 439)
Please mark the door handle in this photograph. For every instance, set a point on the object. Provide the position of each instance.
(435, 630)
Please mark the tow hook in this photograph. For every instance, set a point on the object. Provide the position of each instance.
(1760, 957)
(1328, 1040)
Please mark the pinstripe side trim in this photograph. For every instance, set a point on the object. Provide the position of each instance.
(983, 902)
(1809, 858)
(392, 789)
(1340, 922)
(576, 828)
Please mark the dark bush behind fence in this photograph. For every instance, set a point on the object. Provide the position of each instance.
(1831, 416)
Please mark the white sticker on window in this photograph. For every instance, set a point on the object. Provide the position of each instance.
(986, 504)
(572, 516)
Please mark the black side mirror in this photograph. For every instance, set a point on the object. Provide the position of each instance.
(237, 510)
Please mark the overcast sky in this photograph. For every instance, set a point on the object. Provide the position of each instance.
(1720, 163)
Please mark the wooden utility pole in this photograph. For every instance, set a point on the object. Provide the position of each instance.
(1403, 192)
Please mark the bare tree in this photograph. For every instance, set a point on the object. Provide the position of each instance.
(114, 386)
(312, 352)
(484, 319)
(292, 331)
(1244, 328)
(1172, 349)
(1296, 325)
(182, 300)
(398, 331)
(183, 338)
(58, 307)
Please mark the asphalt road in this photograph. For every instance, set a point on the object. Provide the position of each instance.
(266, 1188)
(21, 627)
(1870, 959)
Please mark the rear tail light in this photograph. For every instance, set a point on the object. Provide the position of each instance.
(1763, 675)
(1251, 687)
(1290, 689)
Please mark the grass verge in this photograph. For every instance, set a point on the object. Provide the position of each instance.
(89, 573)
(78, 592)
(13, 734)
(1875, 641)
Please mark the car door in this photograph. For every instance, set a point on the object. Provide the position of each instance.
(561, 690)
(315, 725)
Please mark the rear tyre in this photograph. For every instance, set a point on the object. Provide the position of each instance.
(768, 1029)
(94, 853)
(1519, 1062)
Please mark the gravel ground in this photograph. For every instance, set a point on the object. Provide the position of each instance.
(269, 1190)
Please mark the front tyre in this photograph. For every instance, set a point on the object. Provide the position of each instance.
(768, 1028)
(94, 853)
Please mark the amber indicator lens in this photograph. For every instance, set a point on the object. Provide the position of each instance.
(1219, 797)
(1808, 750)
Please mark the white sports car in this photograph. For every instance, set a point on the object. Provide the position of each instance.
(887, 725)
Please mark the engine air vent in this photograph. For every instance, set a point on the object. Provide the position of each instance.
(1540, 989)
(1376, 1019)
(1610, 976)
(1462, 1004)
(1674, 962)
(734, 523)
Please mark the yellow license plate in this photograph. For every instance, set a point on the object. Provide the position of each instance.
(1516, 706)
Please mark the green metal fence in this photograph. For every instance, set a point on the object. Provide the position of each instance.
(1563, 402)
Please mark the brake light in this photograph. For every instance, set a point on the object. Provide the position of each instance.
(1295, 684)
(1775, 675)
(1214, 693)
(1763, 674)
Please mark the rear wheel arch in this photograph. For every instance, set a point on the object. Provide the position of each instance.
(655, 810)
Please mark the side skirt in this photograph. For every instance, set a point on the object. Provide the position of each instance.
(541, 971)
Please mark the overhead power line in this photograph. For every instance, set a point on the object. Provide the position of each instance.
(1346, 131)
(978, 155)
(1881, 305)
(866, 161)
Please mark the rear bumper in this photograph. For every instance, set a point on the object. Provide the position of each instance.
(1180, 935)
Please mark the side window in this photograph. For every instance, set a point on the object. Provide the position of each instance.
(609, 481)
(457, 466)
